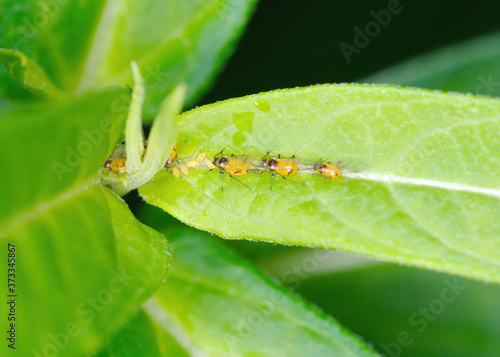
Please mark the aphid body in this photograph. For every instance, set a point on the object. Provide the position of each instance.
(328, 171)
(234, 166)
(172, 156)
(284, 167)
(116, 164)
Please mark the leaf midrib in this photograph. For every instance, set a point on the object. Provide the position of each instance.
(448, 186)
(385, 179)
(37, 209)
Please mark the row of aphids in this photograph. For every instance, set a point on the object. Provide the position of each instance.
(235, 165)
(240, 165)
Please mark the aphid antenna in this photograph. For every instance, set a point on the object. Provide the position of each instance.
(219, 153)
(295, 153)
(267, 154)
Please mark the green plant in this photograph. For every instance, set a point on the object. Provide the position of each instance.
(419, 186)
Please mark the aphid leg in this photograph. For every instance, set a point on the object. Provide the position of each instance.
(239, 181)
(271, 185)
(298, 183)
(344, 180)
(221, 188)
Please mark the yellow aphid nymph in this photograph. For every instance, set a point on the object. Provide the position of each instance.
(172, 157)
(116, 165)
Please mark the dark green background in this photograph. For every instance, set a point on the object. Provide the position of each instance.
(296, 43)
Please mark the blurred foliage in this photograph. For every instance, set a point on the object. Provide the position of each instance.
(442, 314)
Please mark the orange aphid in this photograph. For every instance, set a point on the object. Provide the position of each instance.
(172, 157)
(328, 171)
(235, 166)
(116, 165)
(284, 167)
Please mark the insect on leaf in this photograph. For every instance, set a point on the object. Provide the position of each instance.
(427, 192)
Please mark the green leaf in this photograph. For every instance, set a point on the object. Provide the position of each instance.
(11, 92)
(471, 66)
(27, 73)
(58, 35)
(423, 171)
(187, 41)
(84, 45)
(42, 158)
(215, 304)
(142, 337)
(443, 315)
(79, 275)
